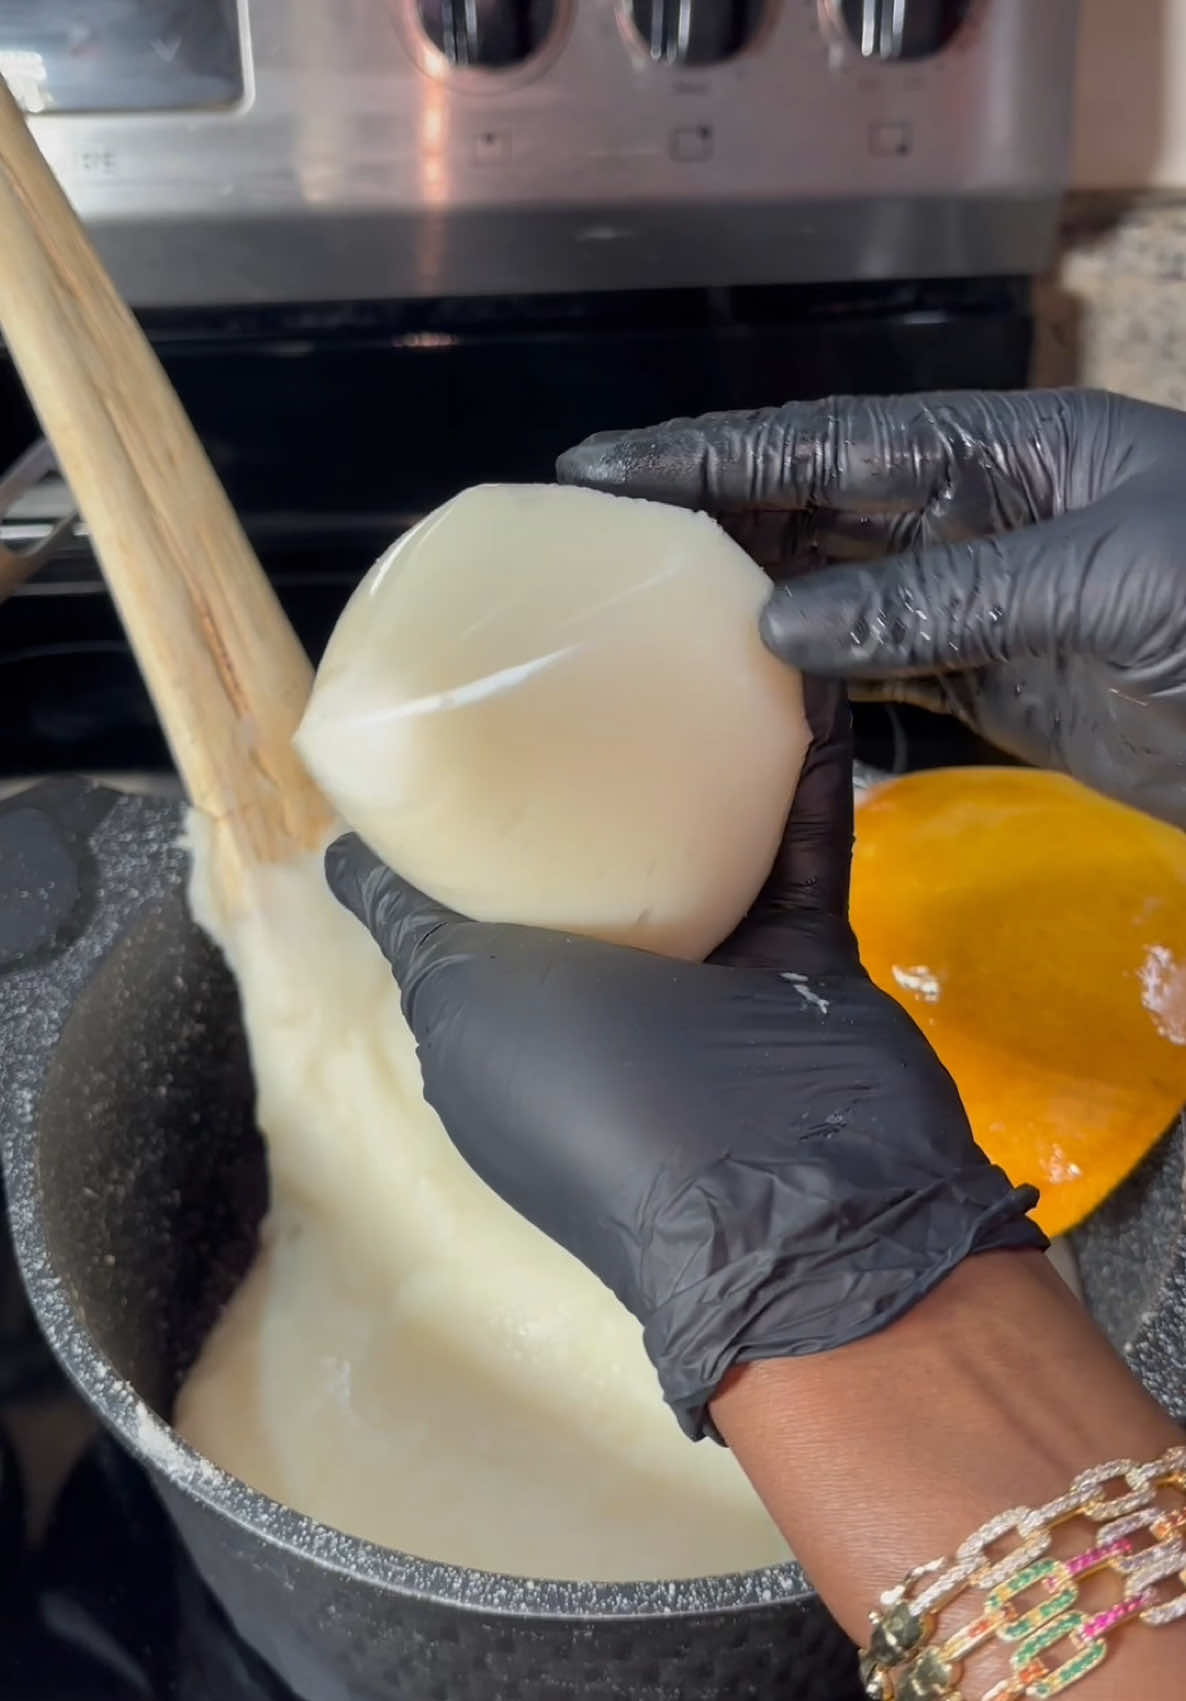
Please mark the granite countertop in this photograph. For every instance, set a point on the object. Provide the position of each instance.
(1112, 312)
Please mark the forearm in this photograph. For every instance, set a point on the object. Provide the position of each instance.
(993, 1393)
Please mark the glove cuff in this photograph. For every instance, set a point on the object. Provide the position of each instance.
(792, 1301)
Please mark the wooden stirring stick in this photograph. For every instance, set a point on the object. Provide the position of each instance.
(224, 667)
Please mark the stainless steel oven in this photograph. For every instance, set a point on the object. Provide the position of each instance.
(249, 151)
(390, 247)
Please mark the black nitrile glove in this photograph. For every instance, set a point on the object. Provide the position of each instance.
(760, 1155)
(1036, 580)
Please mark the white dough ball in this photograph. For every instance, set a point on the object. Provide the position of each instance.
(550, 705)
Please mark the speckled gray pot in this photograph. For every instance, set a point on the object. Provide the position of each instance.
(136, 1183)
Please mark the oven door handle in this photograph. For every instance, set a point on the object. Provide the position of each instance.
(16, 565)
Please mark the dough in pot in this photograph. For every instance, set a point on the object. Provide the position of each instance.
(550, 706)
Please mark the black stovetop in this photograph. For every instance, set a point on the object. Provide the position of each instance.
(110, 1608)
(102, 1603)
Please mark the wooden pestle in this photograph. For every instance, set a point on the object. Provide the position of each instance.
(225, 670)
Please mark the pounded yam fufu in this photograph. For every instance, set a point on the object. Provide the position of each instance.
(552, 705)
(410, 1360)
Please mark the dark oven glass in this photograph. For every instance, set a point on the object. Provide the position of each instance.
(334, 428)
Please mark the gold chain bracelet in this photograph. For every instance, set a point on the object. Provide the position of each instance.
(1052, 1643)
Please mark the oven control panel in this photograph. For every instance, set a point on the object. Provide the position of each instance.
(121, 55)
(244, 151)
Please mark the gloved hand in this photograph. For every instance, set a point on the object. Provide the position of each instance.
(760, 1155)
(1036, 580)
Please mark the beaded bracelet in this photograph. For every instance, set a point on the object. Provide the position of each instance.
(1142, 1542)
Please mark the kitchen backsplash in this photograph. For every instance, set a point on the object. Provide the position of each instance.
(1113, 310)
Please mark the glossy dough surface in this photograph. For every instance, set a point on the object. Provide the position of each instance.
(553, 705)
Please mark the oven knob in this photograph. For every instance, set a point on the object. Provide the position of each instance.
(902, 29)
(491, 34)
(694, 32)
